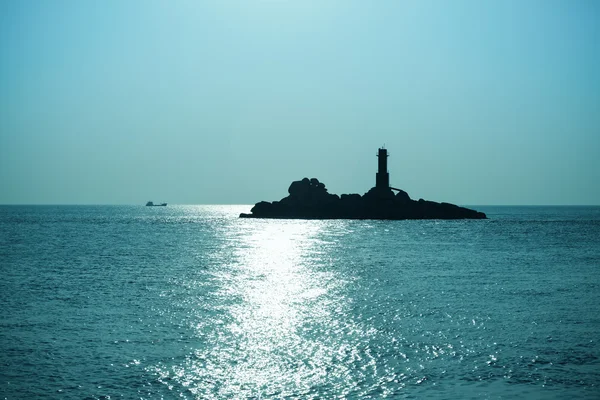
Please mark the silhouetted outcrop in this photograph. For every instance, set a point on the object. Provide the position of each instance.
(309, 199)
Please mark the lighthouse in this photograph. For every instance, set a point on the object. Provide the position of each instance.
(382, 178)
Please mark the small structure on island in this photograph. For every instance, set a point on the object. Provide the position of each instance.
(309, 199)
(382, 178)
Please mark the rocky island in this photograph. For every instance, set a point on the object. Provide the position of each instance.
(309, 199)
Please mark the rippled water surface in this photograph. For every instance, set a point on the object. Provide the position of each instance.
(192, 302)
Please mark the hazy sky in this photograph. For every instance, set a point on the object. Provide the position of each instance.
(120, 102)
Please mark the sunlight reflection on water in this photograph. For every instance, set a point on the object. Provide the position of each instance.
(278, 288)
(272, 337)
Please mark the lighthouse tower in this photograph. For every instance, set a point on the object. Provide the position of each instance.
(382, 179)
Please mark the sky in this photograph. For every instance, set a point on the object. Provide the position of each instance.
(228, 102)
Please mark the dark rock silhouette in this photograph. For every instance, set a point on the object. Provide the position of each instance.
(309, 199)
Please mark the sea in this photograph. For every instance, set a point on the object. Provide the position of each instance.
(192, 302)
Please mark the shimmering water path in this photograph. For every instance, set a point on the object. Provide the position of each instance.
(192, 302)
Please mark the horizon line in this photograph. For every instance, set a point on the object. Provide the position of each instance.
(252, 204)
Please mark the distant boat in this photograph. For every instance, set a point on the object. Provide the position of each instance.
(151, 204)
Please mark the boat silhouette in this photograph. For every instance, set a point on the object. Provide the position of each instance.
(151, 204)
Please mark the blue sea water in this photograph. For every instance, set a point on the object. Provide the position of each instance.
(192, 302)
